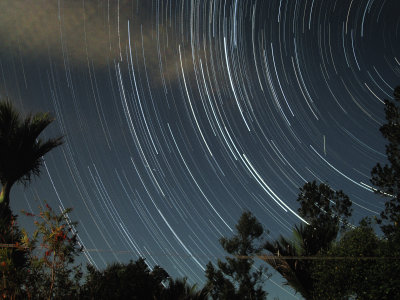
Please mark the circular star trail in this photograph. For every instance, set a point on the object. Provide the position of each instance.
(179, 115)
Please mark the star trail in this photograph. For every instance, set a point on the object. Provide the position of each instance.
(178, 115)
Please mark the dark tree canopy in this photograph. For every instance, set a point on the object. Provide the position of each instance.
(387, 178)
(179, 289)
(327, 211)
(235, 279)
(361, 265)
(21, 152)
(13, 261)
(21, 149)
(296, 272)
(124, 281)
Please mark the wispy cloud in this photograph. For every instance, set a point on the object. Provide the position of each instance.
(80, 31)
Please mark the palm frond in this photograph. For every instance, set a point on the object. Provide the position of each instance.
(9, 119)
(21, 149)
(294, 271)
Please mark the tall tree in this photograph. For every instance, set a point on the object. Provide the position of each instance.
(354, 267)
(387, 178)
(21, 152)
(21, 149)
(326, 212)
(287, 260)
(125, 281)
(387, 181)
(52, 271)
(235, 279)
(361, 264)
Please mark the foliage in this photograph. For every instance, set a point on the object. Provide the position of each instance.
(44, 267)
(124, 281)
(179, 289)
(21, 149)
(21, 152)
(52, 273)
(234, 279)
(357, 266)
(361, 264)
(327, 212)
(13, 258)
(286, 260)
(387, 178)
(390, 269)
(323, 260)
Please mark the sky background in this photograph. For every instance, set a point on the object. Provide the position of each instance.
(179, 115)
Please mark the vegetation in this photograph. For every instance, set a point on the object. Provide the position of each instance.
(13, 260)
(21, 152)
(124, 281)
(323, 259)
(372, 264)
(21, 149)
(386, 178)
(52, 251)
(326, 211)
(235, 278)
(328, 260)
(352, 269)
(179, 289)
(49, 270)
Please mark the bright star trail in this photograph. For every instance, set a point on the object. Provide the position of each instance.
(178, 115)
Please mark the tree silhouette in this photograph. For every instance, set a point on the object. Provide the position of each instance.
(52, 250)
(124, 281)
(179, 289)
(13, 260)
(326, 212)
(387, 181)
(243, 283)
(297, 272)
(352, 270)
(387, 178)
(21, 149)
(21, 152)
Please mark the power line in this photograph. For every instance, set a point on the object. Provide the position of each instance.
(262, 257)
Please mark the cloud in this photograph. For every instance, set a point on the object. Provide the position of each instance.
(77, 31)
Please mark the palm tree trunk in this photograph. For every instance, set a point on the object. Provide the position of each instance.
(5, 194)
(5, 212)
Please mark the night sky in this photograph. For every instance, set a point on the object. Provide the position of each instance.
(178, 115)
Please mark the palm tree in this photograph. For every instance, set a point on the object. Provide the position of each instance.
(287, 260)
(326, 212)
(21, 149)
